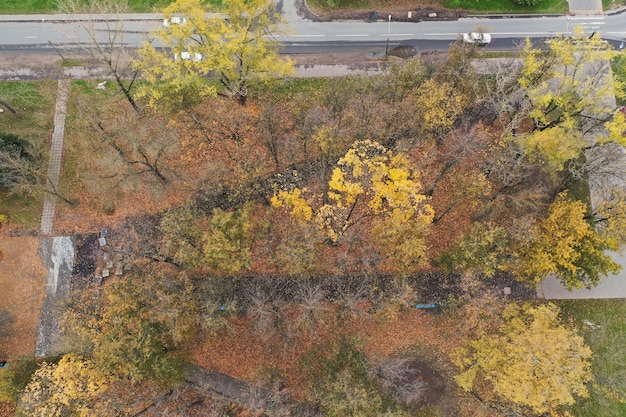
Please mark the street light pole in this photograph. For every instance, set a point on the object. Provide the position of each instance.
(388, 33)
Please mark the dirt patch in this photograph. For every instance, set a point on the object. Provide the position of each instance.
(432, 382)
(23, 283)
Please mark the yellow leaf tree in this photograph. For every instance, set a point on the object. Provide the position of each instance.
(532, 362)
(69, 388)
(566, 90)
(371, 183)
(610, 216)
(228, 239)
(438, 106)
(234, 46)
(565, 244)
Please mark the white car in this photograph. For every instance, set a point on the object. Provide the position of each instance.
(175, 20)
(477, 38)
(187, 56)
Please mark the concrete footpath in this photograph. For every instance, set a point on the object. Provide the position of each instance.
(607, 173)
(56, 157)
(57, 255)
(613, 286)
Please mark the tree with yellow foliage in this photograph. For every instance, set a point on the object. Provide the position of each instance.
(439, 104)
(532, 362)
(70, 387)
(370, 183)
(234, 46)
(609, 216)
(565, 244)
(228, 239)
(566, 90)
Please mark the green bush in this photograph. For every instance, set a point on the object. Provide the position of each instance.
(20, 162)
(342, 384)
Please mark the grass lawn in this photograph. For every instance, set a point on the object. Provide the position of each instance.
(21, 210)
(145, 6)
(49, 6)
(608, 342)
(34, 104)
(26, 6)
(546, 6)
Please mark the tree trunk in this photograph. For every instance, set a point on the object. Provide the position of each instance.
(8, 107)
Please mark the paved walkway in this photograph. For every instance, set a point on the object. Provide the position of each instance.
(57, 255)
(56, 156)
(608, 173)
(613, 286)
(585, 7)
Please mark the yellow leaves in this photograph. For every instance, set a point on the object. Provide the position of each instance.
(344, 193)
(532, 360)
(565, 244)
(70, 387)
(371, 182)
(326, 140)
(566, 88)
(171, 84)
(233, 50)
(381, 183)
(228, 239)
(300, 209)
(616, 129)
(438, 106)
(610, 217)
(555, 145)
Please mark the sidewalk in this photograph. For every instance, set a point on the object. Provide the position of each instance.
(612, 160)
(77, 17)
(57, 254)
(585, 7)
(56, 157)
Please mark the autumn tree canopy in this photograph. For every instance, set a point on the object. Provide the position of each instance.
(565, 244)
(234, 46)
(70, 387)
(566, 90)
(533, 361)
(370, 184)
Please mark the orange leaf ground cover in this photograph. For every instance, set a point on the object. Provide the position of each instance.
(241, 352)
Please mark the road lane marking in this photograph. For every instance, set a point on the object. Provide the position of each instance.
(30, 37)
(396, 34)
(522, 34)
(308, 36)
(355, 35)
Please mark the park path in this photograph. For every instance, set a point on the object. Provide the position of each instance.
(56, 253)
(56, 156)
(609, 174)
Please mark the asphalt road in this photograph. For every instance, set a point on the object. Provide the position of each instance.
(40, 31)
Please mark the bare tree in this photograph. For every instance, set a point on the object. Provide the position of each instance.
(104, 27)
(265, 311)
(401, 380)
(311, 297)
